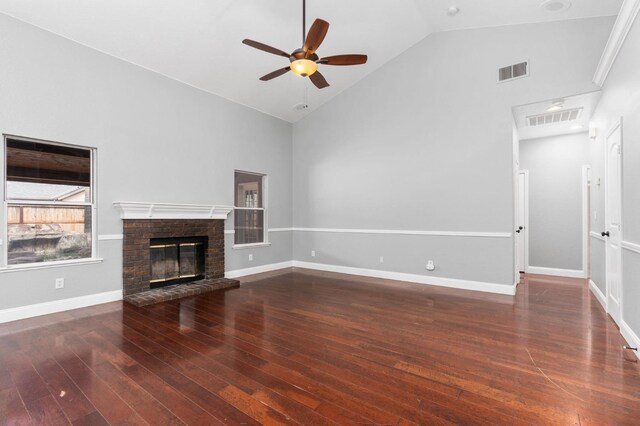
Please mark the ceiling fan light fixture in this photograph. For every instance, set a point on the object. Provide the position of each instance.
(304, 67)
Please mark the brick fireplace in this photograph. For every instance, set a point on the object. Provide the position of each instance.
(138, 234)
(144, 224)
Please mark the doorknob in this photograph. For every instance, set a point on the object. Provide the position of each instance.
(520, 228)
(605, 234)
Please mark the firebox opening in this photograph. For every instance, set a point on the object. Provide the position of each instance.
(177, 260)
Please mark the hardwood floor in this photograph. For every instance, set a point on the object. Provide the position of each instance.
(318, 348)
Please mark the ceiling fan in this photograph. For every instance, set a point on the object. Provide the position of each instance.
(304, 61)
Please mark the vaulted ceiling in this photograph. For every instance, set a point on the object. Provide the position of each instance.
(198, 42)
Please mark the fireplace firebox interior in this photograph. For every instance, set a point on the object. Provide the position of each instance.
(177, 260)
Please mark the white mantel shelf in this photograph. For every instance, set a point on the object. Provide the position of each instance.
(139, 210)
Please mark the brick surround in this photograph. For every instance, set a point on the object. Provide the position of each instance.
(138, 233)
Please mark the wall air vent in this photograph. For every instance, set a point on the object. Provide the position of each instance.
(513, 72)
(554, 117)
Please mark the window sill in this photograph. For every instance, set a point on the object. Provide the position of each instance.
(248, 246)
(47, 265)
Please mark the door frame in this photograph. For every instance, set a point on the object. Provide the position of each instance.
(616, 125)
(525, 234)
(586, 220)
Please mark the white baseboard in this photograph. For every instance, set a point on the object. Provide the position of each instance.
(632, 338)
(22, 312)
(420, 279)
(258, 269)
(567, 273)
(598, 294)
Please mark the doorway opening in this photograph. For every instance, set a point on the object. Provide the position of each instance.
(552, 181)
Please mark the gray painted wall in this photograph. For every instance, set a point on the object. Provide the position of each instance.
(555, 199)
(142, 125)
(621, 98)
(425, 143)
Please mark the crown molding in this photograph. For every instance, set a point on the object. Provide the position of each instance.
(139, 210)
(626, 17)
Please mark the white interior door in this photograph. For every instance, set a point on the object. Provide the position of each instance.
(613, 221)
(521, 221)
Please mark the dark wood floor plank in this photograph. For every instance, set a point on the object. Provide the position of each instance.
(234, 371)
(26, 379)
(12, 409)
(320, 348)
(92, 419)
(209, 408)
(46, 411)
(108, 403)
(71, 400)
(434, 407)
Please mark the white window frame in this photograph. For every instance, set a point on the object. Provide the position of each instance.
(6, 203)
(265, 209)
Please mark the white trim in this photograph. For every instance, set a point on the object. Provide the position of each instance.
(251, 245)
(22, 312)
(232, 231)
(408, 232)
(567, 273)
(626, 17)
(631, 246)
(258, 269)
(630, 336)
(507, 289)
(525, 235)
(110, 237)
(140, 210)
(596, 236)
(586, 187)
(598, 294)
(47, 265)
(613, 309)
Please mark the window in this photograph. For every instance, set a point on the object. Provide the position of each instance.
(49, 200)
(249, 216)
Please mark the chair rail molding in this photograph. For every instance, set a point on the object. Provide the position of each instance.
(142, 210)
(626, 17)
(631, 246)
(408, 232)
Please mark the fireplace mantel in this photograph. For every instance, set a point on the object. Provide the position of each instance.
(140, 210)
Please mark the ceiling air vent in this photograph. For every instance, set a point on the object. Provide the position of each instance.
(513, 71)
(554, 117)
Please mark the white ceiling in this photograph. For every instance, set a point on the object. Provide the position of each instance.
(199, 41)
(588, 102)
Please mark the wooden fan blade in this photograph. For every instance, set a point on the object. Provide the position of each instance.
(274, 74)
(344, 60)
(265, 48)
(318, 80)
(315, 36)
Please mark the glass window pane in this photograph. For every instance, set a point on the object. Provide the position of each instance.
(249, 226)
(248, 190)
(48, 172)
(48, 192)
(48, 233)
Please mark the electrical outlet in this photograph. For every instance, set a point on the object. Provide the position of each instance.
(59, 282)
(430, 265)
(250, 258)
(381, 259)
(313, 253)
